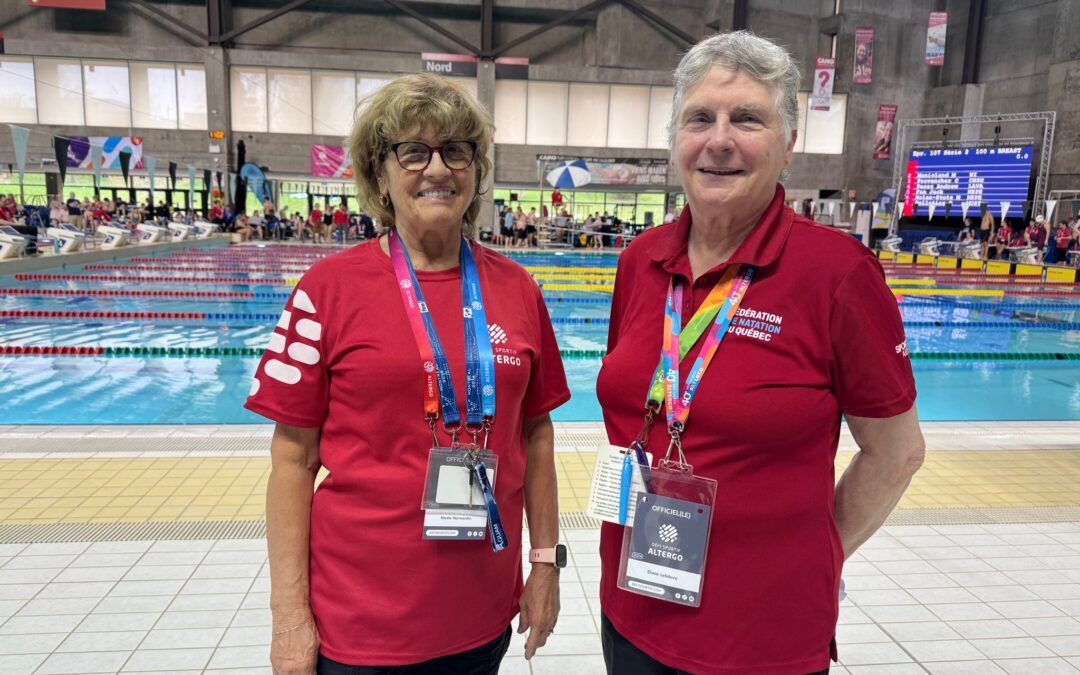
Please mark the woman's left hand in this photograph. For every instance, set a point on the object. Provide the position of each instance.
(539, 606)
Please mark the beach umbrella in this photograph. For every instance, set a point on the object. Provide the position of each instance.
(570, 174)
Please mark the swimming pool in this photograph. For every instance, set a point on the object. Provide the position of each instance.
(175, 339)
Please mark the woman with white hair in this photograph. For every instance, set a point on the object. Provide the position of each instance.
(730, 560)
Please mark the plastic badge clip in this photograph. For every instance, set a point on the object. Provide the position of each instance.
(431, 425)
(453, 434)
(678, 464)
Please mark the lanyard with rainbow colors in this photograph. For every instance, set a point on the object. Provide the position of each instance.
(732, 288)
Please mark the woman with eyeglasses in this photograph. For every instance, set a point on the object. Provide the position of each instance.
(418, 369)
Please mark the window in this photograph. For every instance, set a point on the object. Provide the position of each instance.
(546, 124)
(588, 115)
(153, 95)
(825, 128)
(800, 141)
(289, 101)
(191, 92)
(107, 93)
(659, 111)
(18, 102)
(510, 110)
(628, 117)
(334, 100)
(248, 98)
(59, 91)
(366, 86)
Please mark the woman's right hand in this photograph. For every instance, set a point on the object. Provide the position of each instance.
(294, 647)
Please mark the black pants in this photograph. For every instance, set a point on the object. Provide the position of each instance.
(482, 660)
(623, 658)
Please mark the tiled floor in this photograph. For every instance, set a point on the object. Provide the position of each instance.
(941, 598)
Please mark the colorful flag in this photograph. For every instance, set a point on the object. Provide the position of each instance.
(883, 132)
(935, 39)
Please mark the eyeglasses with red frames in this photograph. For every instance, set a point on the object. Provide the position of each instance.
(416, 156)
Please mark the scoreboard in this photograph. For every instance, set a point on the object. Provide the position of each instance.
(941, 176)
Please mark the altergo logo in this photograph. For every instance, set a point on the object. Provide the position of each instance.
(668, 533)
(429, 367)
(405, 283)
(498, 335)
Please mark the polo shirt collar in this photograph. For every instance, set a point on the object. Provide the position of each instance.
(760, 248)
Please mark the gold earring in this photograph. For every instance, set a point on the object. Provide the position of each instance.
(384, 200)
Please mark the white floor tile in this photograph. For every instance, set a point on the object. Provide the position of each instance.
(181, 638)
(106, 641)
(134, 621)
(567, 665)
(873, 653)
(1063, 645)
(39, 643)
(84, 662)
(22, 663)
(1046, 666)
(943, 650)
(962, 667)
(34, 625)
(210, 619)
(240, 657)
(140, 603)
(1012, 648)
(920, 630)
(167, 659)
(84, 589)
(1026, 609)
(1051, 627)
(987, 628)
(251, 636)
(53, 606)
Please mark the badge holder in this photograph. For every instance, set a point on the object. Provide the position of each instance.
(619, 474)
(664, 551)
(454, 503)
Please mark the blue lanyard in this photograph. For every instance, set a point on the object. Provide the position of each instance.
(479, 357)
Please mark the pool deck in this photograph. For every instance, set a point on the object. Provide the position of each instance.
(141, 549)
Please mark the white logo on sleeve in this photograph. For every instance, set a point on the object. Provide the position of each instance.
(498, 335)
(299, 352)
(902, 349)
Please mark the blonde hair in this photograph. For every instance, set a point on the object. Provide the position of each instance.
(416, 104)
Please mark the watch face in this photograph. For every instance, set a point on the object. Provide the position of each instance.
(560, 556)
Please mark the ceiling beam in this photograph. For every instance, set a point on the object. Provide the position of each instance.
(269, 16)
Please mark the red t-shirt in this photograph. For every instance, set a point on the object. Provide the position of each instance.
(341, 217)
(316, 217)
(216, 212)
(1063, 236)
(817, 335)
(343, 358)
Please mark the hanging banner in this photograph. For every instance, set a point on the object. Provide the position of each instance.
(206, 186)
(232, 187)
(933, 207)
(612, 171)
(864, 56)
(217, 181)
(851, 209)
(151, 165)
(124, 157)
(96, 160)
(1050, 204)
(1005, 209)
(883, 132)
(965, 207)
(821, 97)
(330, 161)
(935, 39)
(832, 207)
(60, 146)
(172, 175)
(191, 188)
(19, 137)
(80, 157)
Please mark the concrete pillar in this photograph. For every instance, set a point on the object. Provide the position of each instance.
(218, 113)
(973, 105)
(485, 92)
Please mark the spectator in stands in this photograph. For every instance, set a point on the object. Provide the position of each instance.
(341, 220)
(965, 234)
(1062, 237)
(367, 226)
(506, 230)
(110, 209)
(57, 212)
(7, 214)
(1002, 239)
(1037, 234)
(74, 209)
(315, 222)
(257, 224)
(243, 227)
(556, 200)
(670, 216)
(228, 218)
(520, 238)
(531, 221)
(217, 214)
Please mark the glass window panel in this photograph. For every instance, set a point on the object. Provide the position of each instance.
(628, 117)
(366, 86)
(153, 95)
(588, 115)
(334, 94)
(468, 84)
(546, 124)
(107, 93)
(191, 85)
(59, 91)
(247, 94)
(510, 110)
(289, 101)
(18, 102)
(800, 142)
(825, 128)
(659, 110)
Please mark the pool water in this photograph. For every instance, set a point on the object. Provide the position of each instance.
(211, 389)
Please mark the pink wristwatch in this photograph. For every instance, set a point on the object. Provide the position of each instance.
(554, 556)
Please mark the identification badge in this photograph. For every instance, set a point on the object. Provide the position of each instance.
(617, 479)
(664, 552)
(454, 505)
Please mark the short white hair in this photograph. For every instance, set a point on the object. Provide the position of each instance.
(740, 51)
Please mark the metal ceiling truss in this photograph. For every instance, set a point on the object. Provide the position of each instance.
(1048, 119)
(219, 13)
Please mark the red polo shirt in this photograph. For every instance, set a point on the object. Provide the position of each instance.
(818, 334)
(343, 358)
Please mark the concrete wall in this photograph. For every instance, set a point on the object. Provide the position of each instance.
(1021, 68)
